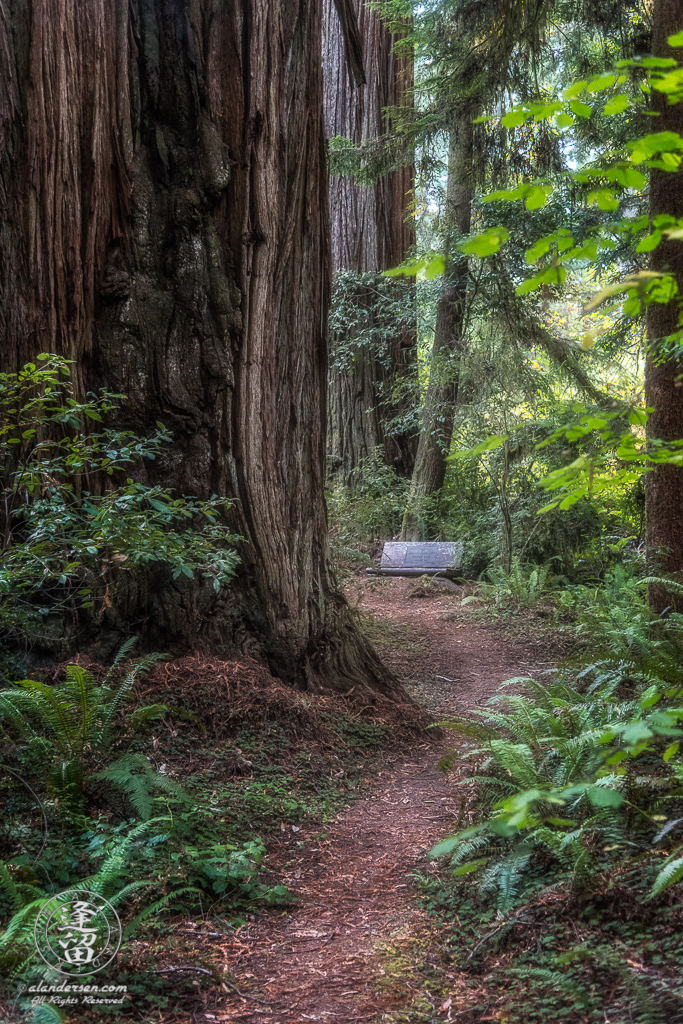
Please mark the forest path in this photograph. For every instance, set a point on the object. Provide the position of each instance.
(347, 952)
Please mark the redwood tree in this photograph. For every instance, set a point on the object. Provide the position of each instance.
(442, 390)
(663, 390)
(371, 231)
(163, 195)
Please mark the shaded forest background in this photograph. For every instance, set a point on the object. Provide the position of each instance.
(280, 282)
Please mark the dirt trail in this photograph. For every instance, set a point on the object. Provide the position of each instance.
(324, 961)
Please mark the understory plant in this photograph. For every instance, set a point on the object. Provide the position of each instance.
(74, 524)
(523, 586)
(170, 874)
(564, 888)
(73, 741)
(25, 899)
(373, 508)
(77, 732)
(578, 774)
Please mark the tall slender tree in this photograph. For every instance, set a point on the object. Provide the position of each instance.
(664, 378)
(442, 389)
(471, 46)
(371, 231)
(163, 196)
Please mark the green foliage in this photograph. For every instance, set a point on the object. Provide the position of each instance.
(200, 857)
(606, 457)
(370, 315)
(373, 508)
(17, 949)
(45, 1013)
(73, 527)
(366, 161)
(77, 726)
(576, 824)
(524, 586)
(560, 768)
(572, 253)
(563, 960)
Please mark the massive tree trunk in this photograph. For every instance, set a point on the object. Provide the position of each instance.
(663, 390)
(163, 195)
(442, 388)
(371, 232)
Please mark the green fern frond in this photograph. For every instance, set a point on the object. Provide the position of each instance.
(673, 585)
(155, 907)
(79, 684)
(121, 656)
(115, 697)
(130, 775)
(134, 776)
(45, 1013)
(670, 874)
(51, 708)
(466, 727)
(20, 928)
(11, 712)
(9, 887)
(470, 849)
(150, 713)
(118, 897)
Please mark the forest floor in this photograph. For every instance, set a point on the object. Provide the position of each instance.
(358, 948)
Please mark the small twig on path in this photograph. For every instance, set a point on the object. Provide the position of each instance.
(495, 931)
(172, 970)
(489, 936)
(242, 995)
(205, 935)
(202, 970)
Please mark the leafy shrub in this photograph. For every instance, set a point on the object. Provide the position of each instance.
(552, 776)
(523, 586)
(372, 509)
(111, 880)
(175, 859)
(370, 314)
(222, 871)
(72, 528)
(615, 619)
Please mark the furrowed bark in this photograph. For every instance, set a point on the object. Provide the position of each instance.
(163, 195)
(371, 232)
(442, 389)
(664, 380)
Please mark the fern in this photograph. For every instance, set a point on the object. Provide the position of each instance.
(77, 724)
(671, 872)
(674, 585)
(158, 905)
(17, 949)
(649, 1010)
(134, 776)
(553, 979)
(523, 586)
(45, 1013)
(114, 697)
(547, 747)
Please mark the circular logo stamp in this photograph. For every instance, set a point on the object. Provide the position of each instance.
(77, 932)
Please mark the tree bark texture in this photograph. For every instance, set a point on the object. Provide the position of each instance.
(371, 232)
(442, 389)
(163, 197)
(663, 382)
